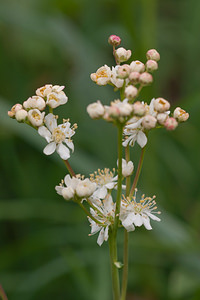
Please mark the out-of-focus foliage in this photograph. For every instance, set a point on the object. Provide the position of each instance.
(45, 252)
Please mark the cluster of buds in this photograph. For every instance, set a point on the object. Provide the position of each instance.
(32, 110)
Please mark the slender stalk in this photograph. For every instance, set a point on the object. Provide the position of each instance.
(113, 260)
(137, 172)
(89, 214)
(125, 267)
(125, 255)
(2, 294)
(69, 168)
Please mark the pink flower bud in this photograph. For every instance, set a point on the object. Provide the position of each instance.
(130, 92)
(134, 77)
(139, 109)
(153, 54)
(180, 114)
(151, 65)
(149, 122)
(161, 105)
(146, 78)
(123, 71)
(137, 66)
(114, 40)
(170, 123)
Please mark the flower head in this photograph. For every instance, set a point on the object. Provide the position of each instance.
(56, 135)
(104, 214)
(102, 75)
(135, 213)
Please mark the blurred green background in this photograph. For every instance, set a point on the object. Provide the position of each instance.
(45, 252)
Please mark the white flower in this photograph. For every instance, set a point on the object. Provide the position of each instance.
(44, 90)
(118, 82)
(135, 213)
(35, 117)
(78, 186)
(56, 135)
(180, 114)
(105, 181)
(122, 54)
(137, 66)
(104, 214)
(54, 99)
(127, 167)
(34, 102)
(161, 105)
(95, 110)
(134, 133)
(102, 75)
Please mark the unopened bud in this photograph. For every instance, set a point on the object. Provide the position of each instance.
(123, 71)
(114, 40)
(122, 54)
(170, 123)
(153, 54)
(134, 77)
(161, 105)
(145, 78)
(21, 115)
(130, 92)
(162, 117)
(149, 122)
(95, 110)
(139, 109)
(137, 66)
(151, 65)
(180, 114)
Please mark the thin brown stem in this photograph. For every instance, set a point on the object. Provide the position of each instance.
(69, 168)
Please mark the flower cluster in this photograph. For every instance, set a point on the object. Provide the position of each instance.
(32, 112)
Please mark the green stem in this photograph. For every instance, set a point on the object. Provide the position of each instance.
(89, 214)
(69, 168)
(125, 267)
(2, 294)
(113, 260)
(137, 172)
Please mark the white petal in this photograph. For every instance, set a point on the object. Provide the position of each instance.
(45, 133)
(153, 217)
(128, 220)
(51, 122)
(141, 139)
(50, 148)
(108, 203)
(146, 222)
(106, 233)
(100, 192)
(59, 189)
(138, 220)
(67, 180)
(63, 151)
(100, 239)
(69, 144)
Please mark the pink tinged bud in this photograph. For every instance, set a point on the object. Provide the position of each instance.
(130, 92)
(170, 123)
(11, 114)
(114, 40)
(122, 54)
(95, 110)
(153, 55)
(145, 78)
(161, 105)
(162, 117)
(151, 65)
(137, 66)
(134, 77)
(21, 115)
(123, 71)
(139, 109)
(149, 122)
(180, 114)
(14, 109)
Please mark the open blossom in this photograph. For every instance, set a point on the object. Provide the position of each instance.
(56, 135)
(133, 213)
(54, 99)
(134, 133)
(180, 114)
(102, 75)
(104, 214)
(105, 181)
(161, 105)
(34, 102)
(122, 54)
(44, 90)
(35, 117)
(117, 81)
(79, 186)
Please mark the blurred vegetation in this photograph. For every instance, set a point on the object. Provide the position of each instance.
(45, 252)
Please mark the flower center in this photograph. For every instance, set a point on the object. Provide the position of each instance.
(102, 177)
(36, 116)
(53, 97)
(58, 136)
(102, 73)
